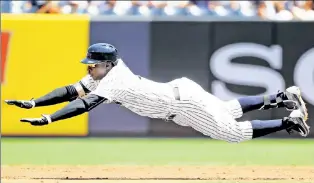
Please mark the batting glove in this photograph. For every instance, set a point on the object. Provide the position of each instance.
(26, 104)
(44, 120)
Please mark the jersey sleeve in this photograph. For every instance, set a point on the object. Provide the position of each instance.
(89, 83)
(86, 85)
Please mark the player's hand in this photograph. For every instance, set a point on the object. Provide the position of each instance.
(36, 121)
(26, 104)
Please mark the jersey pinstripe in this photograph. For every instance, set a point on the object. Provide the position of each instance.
(196, 107)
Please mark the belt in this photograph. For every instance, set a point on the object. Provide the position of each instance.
(176, 93)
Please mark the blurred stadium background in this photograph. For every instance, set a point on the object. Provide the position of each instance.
(231, 48)
(269, 10)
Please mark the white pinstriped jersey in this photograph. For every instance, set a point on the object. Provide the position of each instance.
(140, 95)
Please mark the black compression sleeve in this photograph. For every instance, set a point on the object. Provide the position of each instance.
(74, 108)
(58, 95)
(77, 107)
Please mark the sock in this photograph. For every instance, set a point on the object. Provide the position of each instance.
(265, 127)
(263, 124)
(251, 103)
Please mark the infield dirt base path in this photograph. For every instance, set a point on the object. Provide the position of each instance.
(36, 174)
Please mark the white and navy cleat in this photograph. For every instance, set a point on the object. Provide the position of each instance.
(293, 93)
(296, 117)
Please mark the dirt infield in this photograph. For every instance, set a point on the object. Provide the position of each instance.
(233, 173)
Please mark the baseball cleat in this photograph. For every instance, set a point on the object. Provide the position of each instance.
(293, 93)
(296, 117)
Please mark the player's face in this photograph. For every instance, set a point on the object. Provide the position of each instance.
(100, 70)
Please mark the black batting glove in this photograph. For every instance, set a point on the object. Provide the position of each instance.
(26, 104)
(44, 120)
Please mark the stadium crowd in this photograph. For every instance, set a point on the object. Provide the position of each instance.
(269, 10)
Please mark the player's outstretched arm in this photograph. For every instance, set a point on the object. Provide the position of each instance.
(74, 108)
(59, 95)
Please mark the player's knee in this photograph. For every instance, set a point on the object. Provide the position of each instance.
(234, 108)
(233, 140)
(240, 136)
(228, 140)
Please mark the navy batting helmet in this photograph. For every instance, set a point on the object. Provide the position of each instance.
(101, 52)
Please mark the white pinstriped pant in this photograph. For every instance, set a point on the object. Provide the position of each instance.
(209, 115)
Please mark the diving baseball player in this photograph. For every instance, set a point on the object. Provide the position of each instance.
(182, 101)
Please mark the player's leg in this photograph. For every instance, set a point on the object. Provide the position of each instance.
(291, 99)
(219, 124)
(209, 115)
(206, 113)
(295, 122)
(211, 121)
